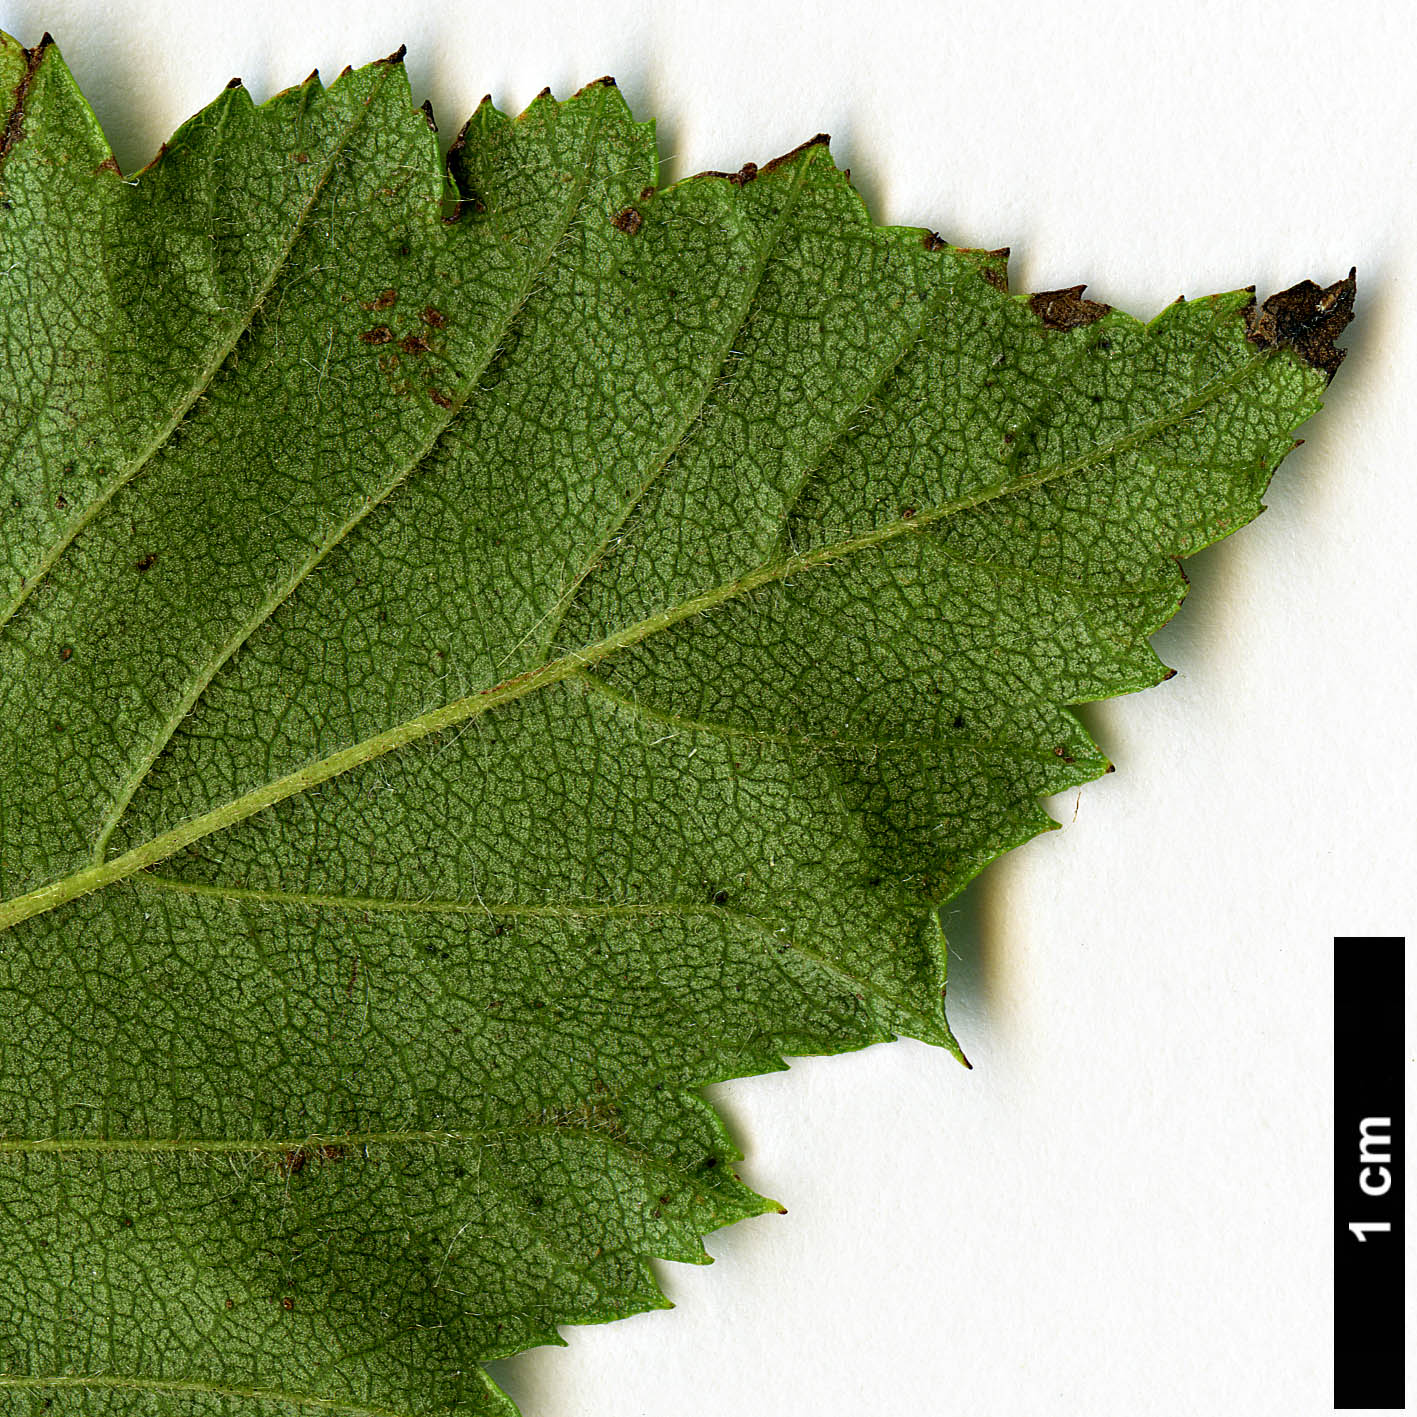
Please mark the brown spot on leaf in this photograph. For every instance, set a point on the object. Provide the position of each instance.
(751, 170)
(414, 344)
(66, 651)
(380, 334)
(433, 316)
(440, 398)
(146, 563)
(932, 240)
(646, 193)
(14, 128)
(1066, 309)
(109, 164)
(300, 159)
(995, 269)
(1307, 319)
(604, 82)
(382, 301)
(820, 140)
(628, 220)
(287, 1303)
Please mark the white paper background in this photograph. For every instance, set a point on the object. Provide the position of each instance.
(1126, 1206)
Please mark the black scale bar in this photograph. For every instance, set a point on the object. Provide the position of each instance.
(1368, 1173)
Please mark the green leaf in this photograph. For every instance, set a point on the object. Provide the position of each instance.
(487, 650)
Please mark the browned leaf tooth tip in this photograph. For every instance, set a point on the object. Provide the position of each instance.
(234, 83)
(820, 140)
(1066, 309)
(14, 126)
(1307, 319)
(426, 109)
(397, 56)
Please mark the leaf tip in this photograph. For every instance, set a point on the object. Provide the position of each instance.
(1306, 319)
(396, 57)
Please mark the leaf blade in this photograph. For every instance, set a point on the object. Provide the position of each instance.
(627, 737)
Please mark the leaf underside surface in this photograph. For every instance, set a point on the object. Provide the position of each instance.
(486, 649)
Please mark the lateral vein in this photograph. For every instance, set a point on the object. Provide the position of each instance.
(283, 593)
(124, 1382)
(199, 387)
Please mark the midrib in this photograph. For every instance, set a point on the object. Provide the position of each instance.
(471, 706)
